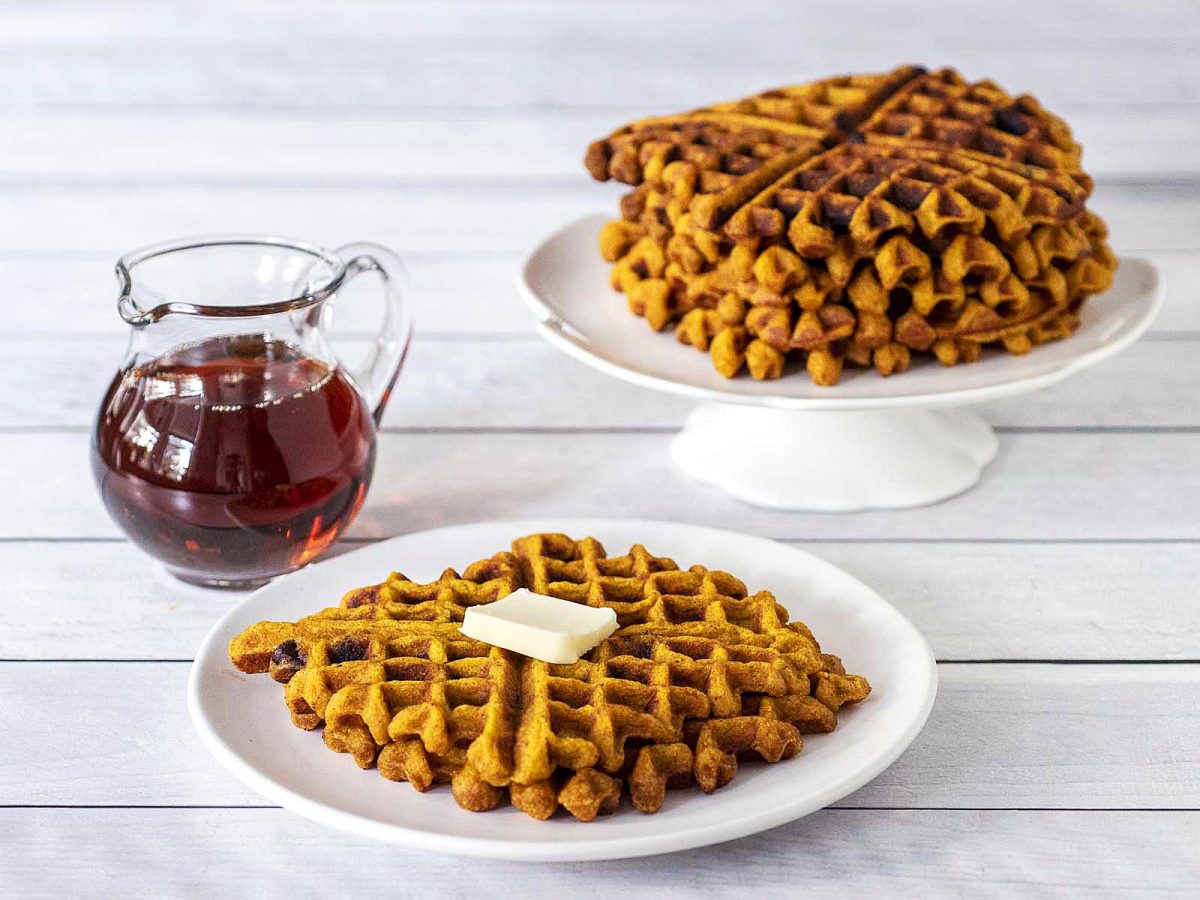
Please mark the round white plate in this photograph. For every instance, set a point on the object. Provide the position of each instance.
(243, 721)
(565, 281)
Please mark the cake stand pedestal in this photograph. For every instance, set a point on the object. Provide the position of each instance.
(834, 461)
(868, 442)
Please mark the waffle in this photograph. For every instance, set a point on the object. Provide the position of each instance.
(699, 675)
(942, 109)
(930, 216)
(727, 151)
(734, 138)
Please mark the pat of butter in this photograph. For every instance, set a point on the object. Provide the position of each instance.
(546, 628)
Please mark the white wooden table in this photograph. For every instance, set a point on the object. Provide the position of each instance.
(1060, 596)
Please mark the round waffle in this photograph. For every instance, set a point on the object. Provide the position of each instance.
(701, 673)
(928, 215)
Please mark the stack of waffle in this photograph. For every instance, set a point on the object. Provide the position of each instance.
(699, 674)
(856, 220)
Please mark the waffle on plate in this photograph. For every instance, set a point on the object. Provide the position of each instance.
(858, 220)
(699, 675)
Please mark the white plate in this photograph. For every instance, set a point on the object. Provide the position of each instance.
(565, 281)
(244, 723)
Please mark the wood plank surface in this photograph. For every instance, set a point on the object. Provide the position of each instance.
(408, 145)
(452, 292)
(1058, 485)
(636, 68)
(857, 853)
(1000, 736)
(461, 216)
(521, 381)
(1047, 601)
(688, 22)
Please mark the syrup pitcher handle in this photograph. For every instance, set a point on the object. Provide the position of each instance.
(377, 373)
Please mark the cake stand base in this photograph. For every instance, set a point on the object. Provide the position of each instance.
(835, 461)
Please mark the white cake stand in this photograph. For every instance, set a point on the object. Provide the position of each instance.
(867, 443)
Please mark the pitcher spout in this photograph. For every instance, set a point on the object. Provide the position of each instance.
(193, 277)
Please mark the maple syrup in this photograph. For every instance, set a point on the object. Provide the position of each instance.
(235, 458)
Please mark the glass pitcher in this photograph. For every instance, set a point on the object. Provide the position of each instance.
(232, 446)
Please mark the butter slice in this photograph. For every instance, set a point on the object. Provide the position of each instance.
(546, 628)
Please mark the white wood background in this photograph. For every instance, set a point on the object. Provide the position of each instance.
(1061, 597)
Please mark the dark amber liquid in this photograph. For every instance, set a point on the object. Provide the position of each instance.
(235, 458)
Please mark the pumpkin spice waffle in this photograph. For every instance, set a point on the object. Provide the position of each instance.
(732, 139)
(730, 150)
(699, 675)
(943, 109)
(934, 216)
